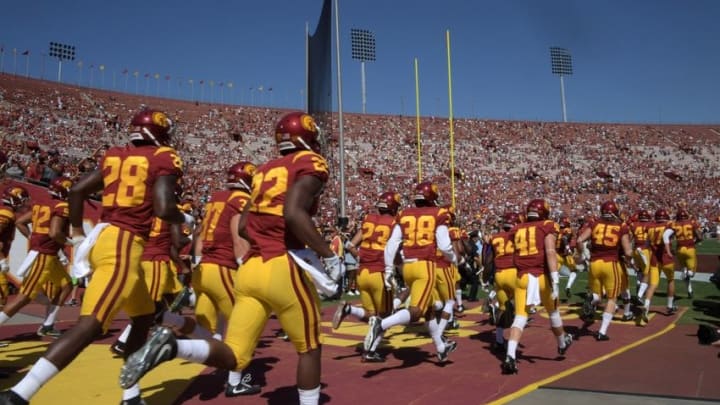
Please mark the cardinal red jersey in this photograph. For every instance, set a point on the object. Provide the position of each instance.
(640, 234)
(529, 243)
(129, 175)
(502, 243)
(42, 215)
(215, 234)
(605, 239)
(657, 246)
(157, 247)
(376, 229)
(418, 226)
(685, 231)
(7, 219)
(269, 237)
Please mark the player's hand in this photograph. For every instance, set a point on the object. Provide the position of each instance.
(389, 278)
(555, 294)
(333, 267)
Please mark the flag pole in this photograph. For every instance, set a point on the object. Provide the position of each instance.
(450, 119)
(342, 220)
(417, 122)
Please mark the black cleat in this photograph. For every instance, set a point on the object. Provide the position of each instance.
(588, 310)
(628, 317)
(509, 366)
(242, 388)
(9, 397)
(372, 357)
(498, 348)
(340, 313)
(159, 348)
(133, 401)
(450, 346)
(602, 337)
(568, 343)
(671, 310)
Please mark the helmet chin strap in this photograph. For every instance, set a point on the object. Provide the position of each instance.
(151, 136)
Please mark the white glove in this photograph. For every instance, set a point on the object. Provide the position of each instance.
(4, 265)
(389, 278)
(62, 258)
(75, 240)
(333, 267)
(196, 262)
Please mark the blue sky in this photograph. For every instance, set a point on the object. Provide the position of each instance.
(634, 61)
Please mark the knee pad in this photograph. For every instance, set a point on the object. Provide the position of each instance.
(555, 319)
(519, 322)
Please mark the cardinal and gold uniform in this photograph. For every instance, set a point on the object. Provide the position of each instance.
(375, 298)
(269, 280)
(129, 175)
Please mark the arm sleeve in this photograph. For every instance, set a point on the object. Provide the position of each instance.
(667, 234)
(392, 246)
(444, 244)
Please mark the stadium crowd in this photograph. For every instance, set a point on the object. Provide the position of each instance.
(48, 129)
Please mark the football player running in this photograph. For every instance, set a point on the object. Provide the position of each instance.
(609, 240)
(421, 230)
(537, 278)
(284, 197)
(368, 245)
(14, 200)
(687, 232)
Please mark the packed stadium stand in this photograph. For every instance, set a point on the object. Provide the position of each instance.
(48, 128)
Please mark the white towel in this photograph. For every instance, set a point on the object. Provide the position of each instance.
(533, 291)
(309, 261)
(27, 263)
(81, 264)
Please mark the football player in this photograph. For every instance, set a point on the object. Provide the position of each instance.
(609, 240)
(370, 240)
(278, 220)
(687, 232)
(641, 254)
(661, 259)
(537, 272)
(421, 230)
(566, 254)
(505, 279)
(43, 263)
(14, 200)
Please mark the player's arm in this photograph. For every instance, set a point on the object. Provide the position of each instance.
(178, 240)
(298, 202)
(393, 244)
(22, 222)
(164, 200)
(667, 234)
(583, 236)
(240, 245)
(444, 244)
(82, 189)
(57, 229)
(351, 246)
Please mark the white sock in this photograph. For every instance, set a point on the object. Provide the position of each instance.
(177, 321)
(458, 297)
(234, 378)
(626, 308)
(40, 373)
(436, 334)
(358, 312)
(309, 397)
(377, 341)
(512, 348)
(401, 317)
(3, 318)
(595, 299)
(195, 350)
(643, 288)
(561, 341)
(125, 333)
(606, 318)
(52, 311)
(131, 392)
(670, 301)
(571, 279)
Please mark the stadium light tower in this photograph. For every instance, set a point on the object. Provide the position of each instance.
(561, 62)
(61, 52)
(363, 49)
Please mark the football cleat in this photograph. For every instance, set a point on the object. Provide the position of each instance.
(601, 337)
(118, 348)
(182, 299)
(340, 313)
(628, 317)
(48, 331)
(568, 294)
(159, 348)
(568, 342)
(373, 333)
(450, 346)
(372, 357)
(460, 309)
(588, 310)
(133, 401)
(242, 388)
(498, 348)
(671, 310)
(509, 366)
(10, 397)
